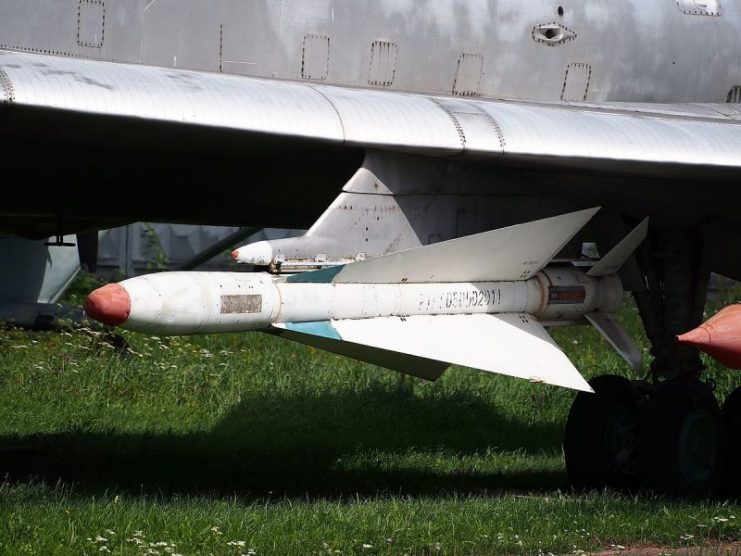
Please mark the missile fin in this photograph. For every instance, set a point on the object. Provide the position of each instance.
(510, 344)
(512, 253)
(615, 259)
(324, 336)
(612, 331)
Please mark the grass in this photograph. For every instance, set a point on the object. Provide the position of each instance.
(242, 444)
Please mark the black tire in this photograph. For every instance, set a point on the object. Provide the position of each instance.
(731, 412)
(602, 436)
(683, 441)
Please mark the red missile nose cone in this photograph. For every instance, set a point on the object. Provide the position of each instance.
(719, 337)
(235, 254)
(697, 337)
(110, 304)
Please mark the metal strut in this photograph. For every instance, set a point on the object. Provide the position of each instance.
(673, 300)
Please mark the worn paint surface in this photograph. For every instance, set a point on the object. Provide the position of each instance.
(638, 51)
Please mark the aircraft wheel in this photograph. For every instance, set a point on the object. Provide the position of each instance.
(602, 436)
(683, 441)
(732, 421)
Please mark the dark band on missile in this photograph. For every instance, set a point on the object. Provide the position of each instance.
(241, 304)
(566, 295)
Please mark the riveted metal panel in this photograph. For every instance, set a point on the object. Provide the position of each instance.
(173, 95)
(91, 23)
(315, 57)
(569, 133)
(576, 82)
(552, 34)
(468, 74)
(265, 38)
(699, 7)
(479, 131)
(706, 134)
(383, 63)
(409, 122)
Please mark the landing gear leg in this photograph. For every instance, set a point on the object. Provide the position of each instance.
(682, 438)
(732, 420)
(676, 443)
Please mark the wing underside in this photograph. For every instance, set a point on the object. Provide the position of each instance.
(604, 137)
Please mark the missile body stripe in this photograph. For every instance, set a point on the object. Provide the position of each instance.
(324, 276)
(317, 328)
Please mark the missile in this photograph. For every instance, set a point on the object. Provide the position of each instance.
(480, 301)
(259, 253)
(719, 336)
(181, 303)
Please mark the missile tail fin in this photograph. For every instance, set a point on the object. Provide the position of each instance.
(511, 344)
(615, 259)
(511, 253)
(612, 331)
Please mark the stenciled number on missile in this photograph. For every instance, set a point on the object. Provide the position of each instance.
(463, 299)
(241, 304)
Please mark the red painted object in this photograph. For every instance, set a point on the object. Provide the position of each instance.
(110, 304)
(719, 336)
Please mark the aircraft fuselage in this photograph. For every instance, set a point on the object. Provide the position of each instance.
(594, 50)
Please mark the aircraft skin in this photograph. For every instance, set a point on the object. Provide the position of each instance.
(427, 122)
(636, 51)
(600, 51)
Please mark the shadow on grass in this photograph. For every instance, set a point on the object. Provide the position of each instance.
(300, 445)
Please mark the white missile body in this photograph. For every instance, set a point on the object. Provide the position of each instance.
(179, 303)
(479, 301)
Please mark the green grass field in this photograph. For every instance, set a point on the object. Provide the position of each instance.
(247, 444)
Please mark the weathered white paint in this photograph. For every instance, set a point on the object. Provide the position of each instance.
(170, 303)
(511, 344)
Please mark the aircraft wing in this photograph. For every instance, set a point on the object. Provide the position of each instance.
(633, 138)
